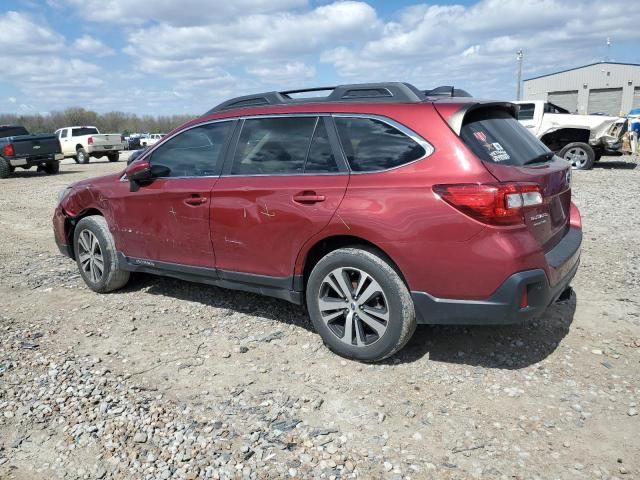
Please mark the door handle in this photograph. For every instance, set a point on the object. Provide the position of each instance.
(308, 197)
(195, 200)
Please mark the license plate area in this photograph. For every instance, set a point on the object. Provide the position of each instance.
(18, 162)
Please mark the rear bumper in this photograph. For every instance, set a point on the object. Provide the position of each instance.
(35, 160)
(503, 307)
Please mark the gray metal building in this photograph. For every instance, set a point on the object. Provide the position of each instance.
(606, 87)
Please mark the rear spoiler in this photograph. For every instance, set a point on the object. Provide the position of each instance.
(454, 113)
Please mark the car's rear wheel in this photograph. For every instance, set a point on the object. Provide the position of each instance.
(580, 155)
(82, 156)
(52, 168)
(5, 168)
(113, 157)
(96, 255)
(360, 305)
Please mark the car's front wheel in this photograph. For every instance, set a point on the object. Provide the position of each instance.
(96, 255)
(360, 305)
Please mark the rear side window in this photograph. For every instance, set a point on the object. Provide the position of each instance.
(274, 146)
(495, 136)
(526, 111)
(79, 132)
(196, 152)
(12, 131)
(372, 145)
(320, 158)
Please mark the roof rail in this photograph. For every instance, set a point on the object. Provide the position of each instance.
(390, 92)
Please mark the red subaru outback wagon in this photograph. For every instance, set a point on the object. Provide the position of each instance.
(377, 206)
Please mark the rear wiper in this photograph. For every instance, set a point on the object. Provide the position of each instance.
(545, 157)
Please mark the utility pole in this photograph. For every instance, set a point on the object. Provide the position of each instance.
(519, 57)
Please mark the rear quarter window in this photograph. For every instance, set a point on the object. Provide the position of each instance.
(495, 136)
(12, 131)
(372, 145)
(79, 132)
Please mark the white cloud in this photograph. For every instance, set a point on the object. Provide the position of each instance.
(190, 54)
(92, 46)
(22, 35)
(286, 73)
(257, 36)
(183, 12)
(475, 46)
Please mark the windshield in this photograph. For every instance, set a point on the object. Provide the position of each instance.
(496, 137)
(79, 132)
(12, 131)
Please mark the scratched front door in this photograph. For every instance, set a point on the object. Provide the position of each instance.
(168, 221)
(261, 222)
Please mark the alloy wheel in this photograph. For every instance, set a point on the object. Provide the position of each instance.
(90, 255)
(577, 156)
(354, 306)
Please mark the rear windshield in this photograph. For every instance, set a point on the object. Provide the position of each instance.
(12, 131)
(79, 132)
(495, 136)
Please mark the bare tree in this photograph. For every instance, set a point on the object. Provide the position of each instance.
(110, 122)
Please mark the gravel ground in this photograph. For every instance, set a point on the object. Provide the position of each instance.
(169, 379)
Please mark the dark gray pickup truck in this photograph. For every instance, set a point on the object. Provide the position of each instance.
(18, 148)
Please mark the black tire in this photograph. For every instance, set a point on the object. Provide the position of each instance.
(82, 156)
(5, 168)
(113, 157)
(52, 168)
(580, 155)
(75, 159)
(397, 305)
(112, 278)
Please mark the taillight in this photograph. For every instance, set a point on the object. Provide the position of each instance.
(90, 140)
(491, 203)
(8, 150)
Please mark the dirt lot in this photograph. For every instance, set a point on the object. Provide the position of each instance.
(170, 379)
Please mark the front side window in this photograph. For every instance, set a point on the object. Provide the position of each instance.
(273, 146)
(372, 145)
(64, 133)
(196, 152)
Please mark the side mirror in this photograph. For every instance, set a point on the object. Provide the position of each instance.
(142, 172)
(139, 172)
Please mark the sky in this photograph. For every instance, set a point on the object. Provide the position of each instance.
(185, 56)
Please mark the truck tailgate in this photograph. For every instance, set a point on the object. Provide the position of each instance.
(107, 140)
(35, 145)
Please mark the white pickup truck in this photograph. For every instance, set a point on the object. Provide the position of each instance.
(576, 138)
(151, 139)
(80, 143)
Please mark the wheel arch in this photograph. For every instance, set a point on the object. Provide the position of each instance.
(557, 139)
(310, 256)
(79, 146)
(70, 226)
